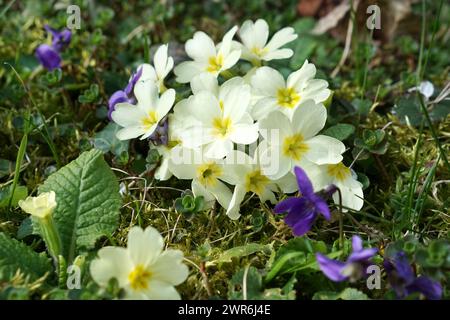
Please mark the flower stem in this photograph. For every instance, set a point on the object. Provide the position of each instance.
(341, 221)
(50, 236)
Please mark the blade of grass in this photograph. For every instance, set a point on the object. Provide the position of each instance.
(442, 152)
(422, 44)
(433, 35)
(419, 72)
(45, 134)
(20, 156)
(23, 142)
(420, 202)
(146, 50)
(279, 264)
(414, 172)
(6, 8)
(366, 68)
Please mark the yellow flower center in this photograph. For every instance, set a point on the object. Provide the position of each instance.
(295, 147)
(139, 278)
(173, 143)
(259, 51)
(208, 173)
(288, 97)
(256, 182)
(339, 171)
(215, 63)
(150, 120)
(221, 127)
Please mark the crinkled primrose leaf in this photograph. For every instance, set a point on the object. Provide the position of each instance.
(87, 193)
(15, 255)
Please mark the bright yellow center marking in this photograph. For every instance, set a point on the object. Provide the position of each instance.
(295, 147)
(139, 278)
(215, 63)
(287, 97)
(259, 51)
(150, 120)
(208, 173)
(256, 182)
(339, 171)
(173, 143)
(221, 127)
(221, 105)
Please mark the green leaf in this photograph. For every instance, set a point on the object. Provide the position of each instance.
(340, 131)
(90, 95)
(254, 287)
(15, 255)
(188, 205)
(106, 140)
(372, 138)
(440, 111)
(303, 50)
(87, 193)
(152, 159)
(346, 294)
(20, 193)
(253, 282)
(373, 141)
(278, 294)
(241, 251)
(298, 255)
(304, 25)
(6, 167)
(362, 107)
(407, 109)
(27, 228)
(364, 180)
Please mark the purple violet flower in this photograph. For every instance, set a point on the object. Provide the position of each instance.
(303, 211)
(404, 281)
(134, 78)
(125, 95)
(49, 55)
(60, 40)
(353, 269)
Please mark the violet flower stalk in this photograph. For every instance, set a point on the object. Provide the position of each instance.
(303, 211)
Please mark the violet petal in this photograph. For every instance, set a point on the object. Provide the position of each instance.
(48, 57)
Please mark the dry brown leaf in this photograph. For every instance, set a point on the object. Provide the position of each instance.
(332, 18)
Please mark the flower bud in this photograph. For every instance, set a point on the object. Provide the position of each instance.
(41, 209)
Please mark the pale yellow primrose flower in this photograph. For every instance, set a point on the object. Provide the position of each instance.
(144, 269)
(207, 57)
(277, 94)
(206, 174)
(162, 65)
(40, 206)
(346, 180)
(298, 142)
(142, 119)
(256, 47)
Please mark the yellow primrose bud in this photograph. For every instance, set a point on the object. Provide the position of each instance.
(40, 206)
